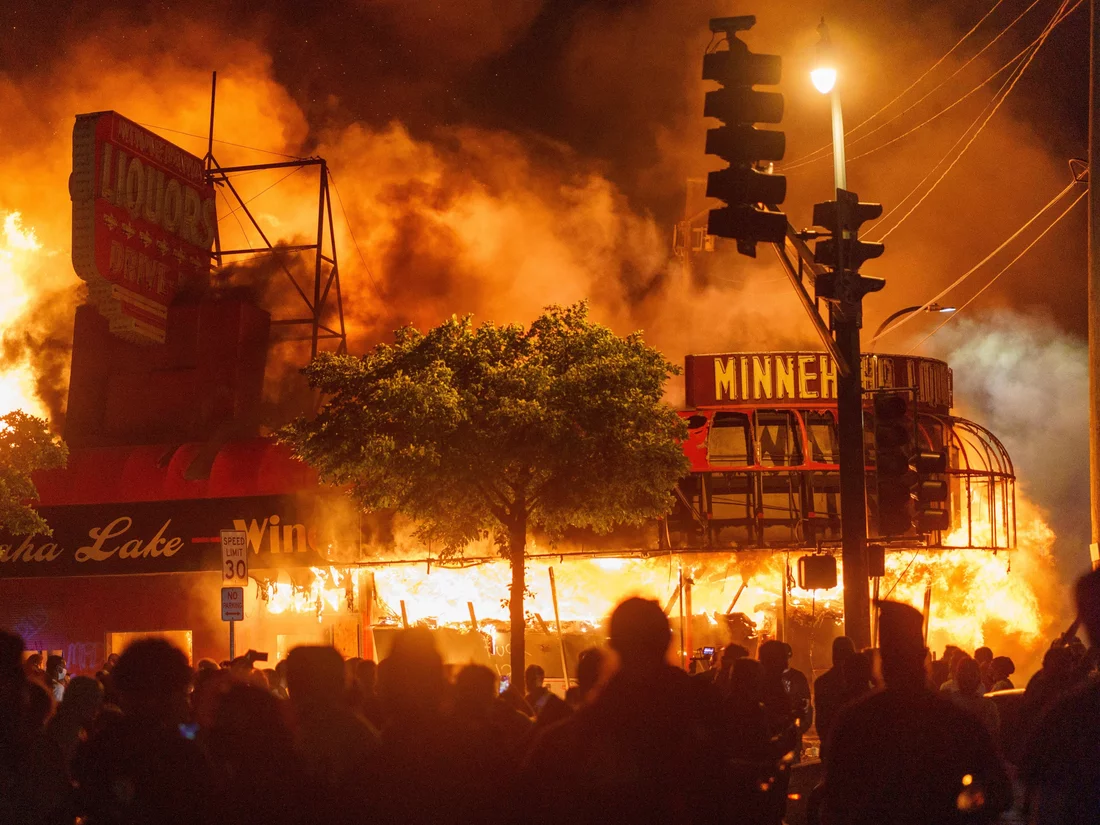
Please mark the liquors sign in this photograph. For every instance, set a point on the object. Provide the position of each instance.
(143, 222)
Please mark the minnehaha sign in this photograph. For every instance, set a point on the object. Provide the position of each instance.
(143, 222)
(180, 537)
(762, 377)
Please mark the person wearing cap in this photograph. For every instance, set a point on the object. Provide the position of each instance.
(786, 692)
(906, 755)
(1061, 764)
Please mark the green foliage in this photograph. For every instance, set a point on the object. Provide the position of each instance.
(26, 445)
(499, 428)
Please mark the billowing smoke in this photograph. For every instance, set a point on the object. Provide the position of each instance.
(1027, 381)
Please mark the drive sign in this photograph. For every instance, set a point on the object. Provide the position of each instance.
(234, 557)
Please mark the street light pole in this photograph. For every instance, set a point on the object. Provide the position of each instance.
(845, 320)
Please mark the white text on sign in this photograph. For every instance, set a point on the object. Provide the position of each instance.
(232, 604)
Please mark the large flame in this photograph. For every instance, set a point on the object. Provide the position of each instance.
(19, 247)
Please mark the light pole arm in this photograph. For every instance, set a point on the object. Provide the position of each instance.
(886, 323)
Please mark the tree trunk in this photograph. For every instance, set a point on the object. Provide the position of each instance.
(517, 544)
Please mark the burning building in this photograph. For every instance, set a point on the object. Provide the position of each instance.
(164, 403)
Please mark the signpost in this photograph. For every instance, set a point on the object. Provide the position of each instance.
(234, 577)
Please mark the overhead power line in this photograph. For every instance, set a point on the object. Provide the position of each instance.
(828, 146)
(223, 142)
(1004, 269)
(996, 104)
(906, 318)
(1009, 64)
(362, 258)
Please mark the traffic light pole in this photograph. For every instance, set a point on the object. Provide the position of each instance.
(853, 482)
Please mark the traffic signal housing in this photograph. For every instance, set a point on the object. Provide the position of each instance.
(842, 251)
(895, 479)
(739, 106)
(930, 468)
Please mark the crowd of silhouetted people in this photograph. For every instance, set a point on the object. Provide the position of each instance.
(318, 739)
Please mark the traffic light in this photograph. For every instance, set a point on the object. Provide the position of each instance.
(817, 572)
(842, 251)
(893, 433)
(742, 186)
(931, 492)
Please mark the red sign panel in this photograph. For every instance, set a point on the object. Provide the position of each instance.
(143, 222)
(768, 378)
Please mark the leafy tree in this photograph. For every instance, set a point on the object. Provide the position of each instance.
(500, 429)
(26, 445)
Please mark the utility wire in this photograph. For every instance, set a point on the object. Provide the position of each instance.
(787, 169)
(996, 104)
(906, 318)
(827, 147)
(362, 258)
(293, 171)
(1004, 269)
(223, 142)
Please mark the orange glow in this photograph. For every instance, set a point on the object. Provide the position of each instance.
(328, 592)
(19, 247)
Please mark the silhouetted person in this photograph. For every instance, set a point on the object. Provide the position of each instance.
(642, 752)
(984, 657)
(76, 715)
(906, 755)
(786, 692)
(491, 740)
(141, 769)
(549, 708)
(830, 688)
(420, 778)
(337, 747)
(590, 665)
(971, 699)
(259, 777)
(1061, 766)
(33, 668)
(1000, 669)
(56, 672)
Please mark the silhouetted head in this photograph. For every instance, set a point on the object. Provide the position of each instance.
(315, 676)
(983, 656)
(843, 647)
(774, 655)
(639, 633)
(33, 664)
(152, 677)
(950, 654)
(1088, 605)
(533, 678)
(969, 677)
(901, 648)
(83, 699)
(206, 664)
(11, 656)
(112, 660)
(589, 666)
(731, 653)
(55, 668)
(475, 689)
(1001, 667)
(747, 679)
(248, 725)
(410, 679)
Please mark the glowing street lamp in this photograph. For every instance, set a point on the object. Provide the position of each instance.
(933, 307)
(824, 76)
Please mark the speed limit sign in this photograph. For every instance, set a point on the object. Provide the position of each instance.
(234, 557)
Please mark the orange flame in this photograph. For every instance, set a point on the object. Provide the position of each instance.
(19, 246)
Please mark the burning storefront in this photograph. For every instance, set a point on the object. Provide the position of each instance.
(164, 414)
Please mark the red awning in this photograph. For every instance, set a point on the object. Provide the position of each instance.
(168, 472)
